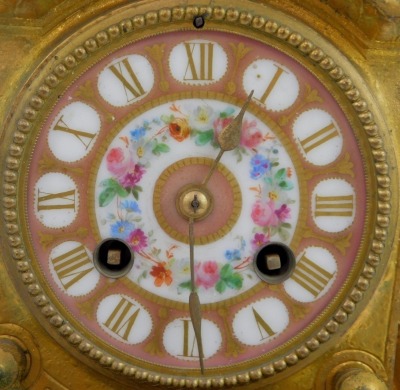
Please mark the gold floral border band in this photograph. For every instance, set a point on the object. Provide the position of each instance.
(260, 24)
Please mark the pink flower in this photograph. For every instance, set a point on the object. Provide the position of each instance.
(137, 240)
(259, 240)
(220, 124)
(251, 136)
(207, 274)
(117, 161)
(283, 213)
(263, 213)
(132, 175)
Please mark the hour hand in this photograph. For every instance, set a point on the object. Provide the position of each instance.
(229, 137)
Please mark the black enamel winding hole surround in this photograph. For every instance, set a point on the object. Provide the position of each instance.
(274, 262)
(113, 258)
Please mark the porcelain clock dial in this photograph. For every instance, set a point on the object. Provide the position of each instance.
(139, 121)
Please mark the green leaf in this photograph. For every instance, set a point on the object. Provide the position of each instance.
(273, 230)
(220, 286)
(112, 183)
(286, 185)
(121, 191)
(135, 193)
(106, 196)
(204, 137)
(283, 234)
(229, 111)
(167, 119)
(286, 225)
(235, 281)
(143, 275)
(187, 285)
(226, 271)
(109, 182)
(238, 154)
(160, 148)
(281, 174)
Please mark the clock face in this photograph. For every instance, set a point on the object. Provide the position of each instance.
(109, 158)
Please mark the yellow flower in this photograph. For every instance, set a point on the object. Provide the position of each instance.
(140, 151)
(273, 195)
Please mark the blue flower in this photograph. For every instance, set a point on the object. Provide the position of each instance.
(259, 166)
(138, 133)
(233, 255)
(259, 160)
(121, 229)
(130, 206)
(257, 172)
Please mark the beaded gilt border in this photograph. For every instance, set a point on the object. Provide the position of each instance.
(178, 14)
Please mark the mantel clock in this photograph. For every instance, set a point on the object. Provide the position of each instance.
(116, 208)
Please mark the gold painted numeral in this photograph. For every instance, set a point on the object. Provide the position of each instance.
(318, 138)
(311, 276)
(72, 264)
(272, 84)
(84, 137)
(133, 85)
(122, 319)
(264, 329)
(66, 198)
(200, 61)
(334, 206)
(189, 343)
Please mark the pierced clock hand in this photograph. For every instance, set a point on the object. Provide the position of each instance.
(194, 302)
(229, 137)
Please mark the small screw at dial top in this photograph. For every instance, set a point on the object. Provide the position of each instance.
(199, 21)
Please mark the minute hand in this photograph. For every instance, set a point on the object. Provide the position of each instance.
(229, 138)
(194, 302)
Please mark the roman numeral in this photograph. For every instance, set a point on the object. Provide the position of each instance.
(189, 340)
(131, 86)
(200, 61)
(311, 276)
(272, 84)
(72, 266)
(84, 137)
(318, 138)
(58, 201)
(336, 206)
(264, 329)
(122, 319)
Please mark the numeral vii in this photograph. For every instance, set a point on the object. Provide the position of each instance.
(122, 318)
